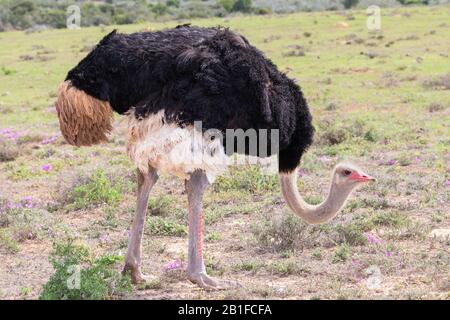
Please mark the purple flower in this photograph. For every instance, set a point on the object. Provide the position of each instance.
(46, 167)
(50, 140)
(27, 202)
(371, 238)
(388, 254)
(301, 172)
(356, 263)
(9, 133)
(391, 162)
(447, 183)
(173, 265)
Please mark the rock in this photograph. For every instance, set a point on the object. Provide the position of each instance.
(342, 24)
(440, 234)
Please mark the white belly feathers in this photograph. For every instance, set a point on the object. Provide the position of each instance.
(173, 150)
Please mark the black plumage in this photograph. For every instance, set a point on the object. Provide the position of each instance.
(211, 75)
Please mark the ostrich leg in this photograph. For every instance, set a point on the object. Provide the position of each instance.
(196, 271)
(133, 258)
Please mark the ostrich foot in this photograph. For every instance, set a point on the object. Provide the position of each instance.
(208, 283)
(136, 275)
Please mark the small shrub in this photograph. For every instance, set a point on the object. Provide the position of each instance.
(284, 232)
(213, 266)
(296, 51)
(352, 234)
(249, 179)
(286, 268)
(9, 151)
(165, 227)
(341, 254)
(20, 224)
(435, 107)
(98, 279)
(331, 106)
(439, 83)
(212, 237)
(333, 135)
(99, 190)
(6, 71)
(390, 219)
(249, 265)
(161, 206)
(7, 243)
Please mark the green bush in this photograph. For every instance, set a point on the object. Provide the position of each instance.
(98, 279)
(242, 5)
(165, 227)
(99, 190)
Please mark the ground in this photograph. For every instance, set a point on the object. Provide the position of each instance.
(380, 99)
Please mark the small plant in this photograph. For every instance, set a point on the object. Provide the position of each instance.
(332, 135)
(440, 83)
(99, 190)
(97, 278)
(7, 243)
(161, 206)
(435, 107)
(249, 265)
(353, 233)
(284, 232)
(341, 254)
(212, 237)
(213, 266)
(165, 227)
(9, 151)
(21, 222)
(317, 254)
(390, 219)
(6, 71)
(286, 268)
(250, 179)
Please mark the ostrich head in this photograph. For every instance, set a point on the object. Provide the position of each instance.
(346, 178)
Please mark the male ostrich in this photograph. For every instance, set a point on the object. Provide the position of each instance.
(164, 81)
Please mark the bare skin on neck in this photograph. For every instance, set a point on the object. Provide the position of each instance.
(146, 181)
(345, 179)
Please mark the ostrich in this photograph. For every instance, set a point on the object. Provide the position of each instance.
(167, 80)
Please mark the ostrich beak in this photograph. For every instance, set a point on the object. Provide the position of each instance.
(361, 177)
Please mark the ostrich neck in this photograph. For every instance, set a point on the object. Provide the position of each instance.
(313, 214)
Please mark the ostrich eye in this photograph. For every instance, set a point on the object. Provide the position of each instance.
(347, 172)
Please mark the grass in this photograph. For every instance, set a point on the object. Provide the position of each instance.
(378, 99)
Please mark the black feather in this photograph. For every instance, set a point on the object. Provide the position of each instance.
(211, 75)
